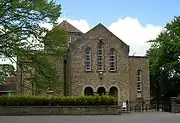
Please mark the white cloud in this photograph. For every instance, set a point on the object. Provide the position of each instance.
(8, 61)
(128, 29)
(46, 25)
(81, 24)
(131, 31)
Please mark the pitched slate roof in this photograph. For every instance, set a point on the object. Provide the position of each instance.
(68, 27)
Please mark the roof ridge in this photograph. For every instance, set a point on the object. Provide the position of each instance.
(68, 27)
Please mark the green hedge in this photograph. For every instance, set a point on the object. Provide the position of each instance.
(56, 100)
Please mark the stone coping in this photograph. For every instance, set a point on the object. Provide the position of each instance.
(59, 110)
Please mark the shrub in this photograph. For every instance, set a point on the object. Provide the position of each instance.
(56, 100)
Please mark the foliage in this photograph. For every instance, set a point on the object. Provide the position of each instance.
(164, 60)
(6, 70)
(22, 36)
(56, 101)
(20, 21)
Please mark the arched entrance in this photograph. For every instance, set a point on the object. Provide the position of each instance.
(114, 92)
(88, 91)
(101, 91)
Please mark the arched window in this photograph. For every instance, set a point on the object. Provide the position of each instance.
(101, 91)
(88, 91)
(88, 59)
(139, 80)
(100, 56)
(114, 92)
(112, 59)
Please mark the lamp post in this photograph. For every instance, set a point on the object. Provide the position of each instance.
(100, 74)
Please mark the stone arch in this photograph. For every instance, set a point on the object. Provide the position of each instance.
(88, 91)
(101, 91)
(100, 42)
(101, 86)
(113, 91)
(87, 86)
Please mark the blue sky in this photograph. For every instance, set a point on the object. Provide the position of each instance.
(157, 12)
(133, 21)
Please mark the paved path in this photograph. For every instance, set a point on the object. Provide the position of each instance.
(150, 117)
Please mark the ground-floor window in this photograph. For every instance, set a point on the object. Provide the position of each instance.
(113, 91)
(101, 91)
(88, 91)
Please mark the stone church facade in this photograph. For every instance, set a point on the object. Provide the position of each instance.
(98, 62)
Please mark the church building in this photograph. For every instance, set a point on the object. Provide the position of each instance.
(98, 62)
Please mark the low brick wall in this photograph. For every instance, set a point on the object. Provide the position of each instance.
(175, 105)
(176, 108)
(60, 110)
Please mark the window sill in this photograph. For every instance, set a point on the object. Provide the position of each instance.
(113, 71)
(88, 71)
(103, 71)
(139, 91)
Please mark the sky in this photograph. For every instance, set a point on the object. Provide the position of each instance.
(133, 21)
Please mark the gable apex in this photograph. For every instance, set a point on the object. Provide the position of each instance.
(68, 27)
(100, 25)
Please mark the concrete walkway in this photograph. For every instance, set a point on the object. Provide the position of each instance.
(146, 117)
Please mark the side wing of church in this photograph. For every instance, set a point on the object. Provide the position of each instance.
(98, 62)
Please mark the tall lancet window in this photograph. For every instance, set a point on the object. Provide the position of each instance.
(100, 56)
(139, 80)
(112, 59)
(88, 59)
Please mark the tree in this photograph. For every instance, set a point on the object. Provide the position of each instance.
(164, 60)
(21, 35)
(6, 70)
(20, 23)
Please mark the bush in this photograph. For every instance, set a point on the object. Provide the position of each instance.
(56, 100)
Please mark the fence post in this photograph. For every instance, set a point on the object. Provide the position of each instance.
(173, 105)
(127, 105)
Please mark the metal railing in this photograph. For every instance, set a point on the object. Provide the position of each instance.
(145, 106)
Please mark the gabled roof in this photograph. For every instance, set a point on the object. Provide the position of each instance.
(68, 27)
(100, 25)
